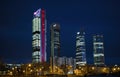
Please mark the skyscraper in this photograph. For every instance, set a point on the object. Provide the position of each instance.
(55, 43)
(80, 49)
(98, 50)
(39, 36)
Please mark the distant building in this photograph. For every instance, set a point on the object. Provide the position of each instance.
(55, 43)
(12, 66)
(61, 61)
(71, 63)
(39, 36)
(80, 49)
(68, 62)
(98, 47)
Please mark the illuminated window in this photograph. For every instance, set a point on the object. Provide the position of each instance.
(36, 53)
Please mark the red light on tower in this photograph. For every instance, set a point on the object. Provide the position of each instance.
(43, 36)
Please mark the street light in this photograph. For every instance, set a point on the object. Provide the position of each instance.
(13, 68)
(31, 70)
(29, 65)
(93, 68)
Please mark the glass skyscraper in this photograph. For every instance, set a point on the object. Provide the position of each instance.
(55, 43)
(39, 36)
(98, 47)
(80, 49)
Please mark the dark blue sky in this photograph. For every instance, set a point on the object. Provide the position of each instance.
(95, 16)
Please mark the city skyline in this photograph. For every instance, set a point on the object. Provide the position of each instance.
(97, 17)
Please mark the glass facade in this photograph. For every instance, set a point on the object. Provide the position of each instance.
(98, 50)
(80, 49)
(55, 44)
(55, 39)
(39, 36)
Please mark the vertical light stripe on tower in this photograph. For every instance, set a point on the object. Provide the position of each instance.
(43, 36)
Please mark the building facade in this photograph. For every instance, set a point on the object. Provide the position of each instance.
(39, 36)
(61, 61)
(80, 49)
(98, 48)
(55, 43)
(69, 63)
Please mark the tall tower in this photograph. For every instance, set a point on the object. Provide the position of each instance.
(80, 49)
(39, 36)
(98, 50)
(55, 43)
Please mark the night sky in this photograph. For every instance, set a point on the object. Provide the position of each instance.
(95, 16)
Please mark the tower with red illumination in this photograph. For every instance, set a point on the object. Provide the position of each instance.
(39, 36)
